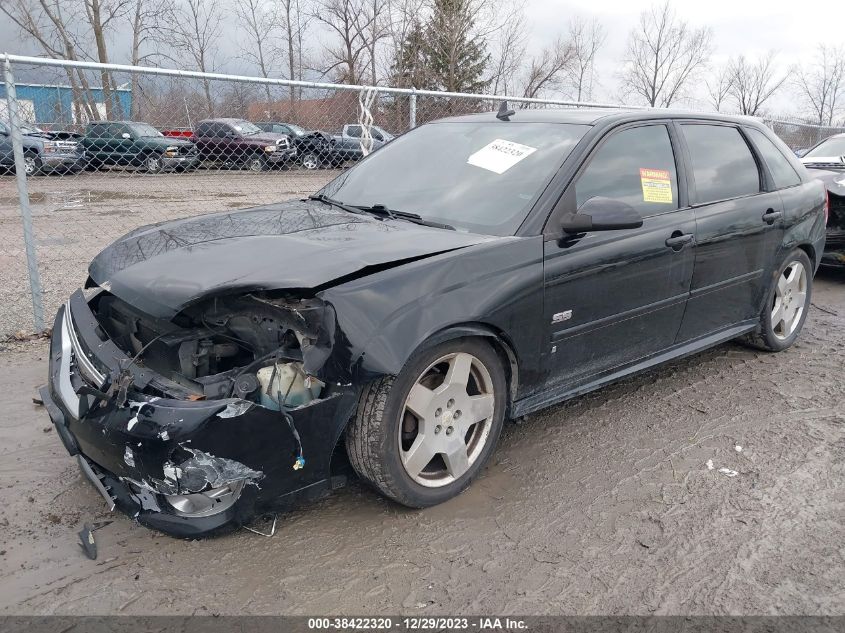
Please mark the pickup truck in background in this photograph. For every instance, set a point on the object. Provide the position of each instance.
(239, 143)
(314, 148)
(43, 151)
(347, 144)
(134, 144)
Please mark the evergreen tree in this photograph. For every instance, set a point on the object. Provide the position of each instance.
(456, 56)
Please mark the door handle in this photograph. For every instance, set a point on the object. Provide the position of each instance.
(771, 215)
(679, 240)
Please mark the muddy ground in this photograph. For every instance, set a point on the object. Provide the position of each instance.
(603, 505)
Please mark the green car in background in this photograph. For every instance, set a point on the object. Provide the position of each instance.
(132, 144)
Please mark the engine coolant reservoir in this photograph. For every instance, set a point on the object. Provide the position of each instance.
(290, 380)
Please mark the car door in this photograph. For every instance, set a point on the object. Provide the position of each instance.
(738, 227)
(615, 297)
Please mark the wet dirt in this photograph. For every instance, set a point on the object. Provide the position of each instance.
(603, 505)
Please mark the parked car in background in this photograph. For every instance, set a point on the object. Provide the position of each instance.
(52, 135)
(472, 270)
(42, 152)
(180, 132)
(135, 144)
(314, 148)
(348, 141)
(239, 143)
(826, 161)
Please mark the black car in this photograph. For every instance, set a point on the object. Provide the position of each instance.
(475, 269)
(314, 148)
(136, 144)
(826, 161)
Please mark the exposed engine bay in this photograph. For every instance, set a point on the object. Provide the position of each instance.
(267, 350)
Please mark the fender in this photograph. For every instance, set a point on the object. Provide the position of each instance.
(490, 289)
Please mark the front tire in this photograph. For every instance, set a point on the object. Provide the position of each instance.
(787, 304)
(256, 163)
(31, 164)
(153, 164)
(310, 160)
(421, 437)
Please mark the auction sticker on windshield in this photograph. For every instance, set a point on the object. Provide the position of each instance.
(500, 155)
(656, 185)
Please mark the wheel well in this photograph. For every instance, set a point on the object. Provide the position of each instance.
(500, 343)
(811, 252)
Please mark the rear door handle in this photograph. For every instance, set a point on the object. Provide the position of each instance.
(771, 215)
(679, 240)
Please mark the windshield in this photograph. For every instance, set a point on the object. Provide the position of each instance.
(831, 147)
(296, 129)
(245, 127)
(478, 177)
(143, 130)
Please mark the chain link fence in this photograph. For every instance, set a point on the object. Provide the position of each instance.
(102, 150)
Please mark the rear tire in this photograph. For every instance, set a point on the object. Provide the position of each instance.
(310, 160)
(460, 392)
(787, 304)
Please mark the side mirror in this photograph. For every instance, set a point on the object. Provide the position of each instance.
(602, 214)
(126, 135)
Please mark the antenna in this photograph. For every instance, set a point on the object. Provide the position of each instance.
(504, 114)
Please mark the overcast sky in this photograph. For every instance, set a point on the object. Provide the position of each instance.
(750, 27)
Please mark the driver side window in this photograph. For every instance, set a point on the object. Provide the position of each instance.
(635, 166)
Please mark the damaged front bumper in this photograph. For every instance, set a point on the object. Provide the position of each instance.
(185, 467)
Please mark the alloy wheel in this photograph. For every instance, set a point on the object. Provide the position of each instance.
(309, 161)
(30, 165)
(446, 420)
(790, 300)
(153, 164)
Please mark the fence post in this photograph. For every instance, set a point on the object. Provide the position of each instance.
(23, 199)
(412, 122)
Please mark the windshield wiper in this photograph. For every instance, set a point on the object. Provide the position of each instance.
(320, 197)
(382, 211)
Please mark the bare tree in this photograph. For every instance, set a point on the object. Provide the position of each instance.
(48, 23)
(664, 54)
(294, 24)
(101, 15)
(507, 57)
(547, 70)
(375, 27)
(192, 28)
(822, 84)
(586, 38)
(260, 25)
(753, 83)
(719, 85)
(345, 20)
(145, 18)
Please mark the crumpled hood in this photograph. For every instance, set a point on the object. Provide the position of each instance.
(162, 268)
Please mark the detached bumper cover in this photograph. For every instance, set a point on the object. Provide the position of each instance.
(145, 447)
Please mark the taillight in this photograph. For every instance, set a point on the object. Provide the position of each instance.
(826, 205)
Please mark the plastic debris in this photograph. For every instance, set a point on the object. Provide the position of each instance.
(738, 448)
(727, 472)
(87, 542)
(710, 464)
(299, 463)
(260, 533)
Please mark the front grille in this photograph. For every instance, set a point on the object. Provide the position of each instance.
(86, 367)
(836, 215)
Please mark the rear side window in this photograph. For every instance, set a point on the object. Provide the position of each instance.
(722, 162)
(354, 131)
(782, 172)
(636, 166)
(202, 129)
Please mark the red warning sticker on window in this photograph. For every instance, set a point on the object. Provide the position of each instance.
(656, 185)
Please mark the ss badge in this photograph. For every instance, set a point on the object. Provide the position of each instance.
(560, 317)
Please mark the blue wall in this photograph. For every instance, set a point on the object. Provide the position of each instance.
(54, 104)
